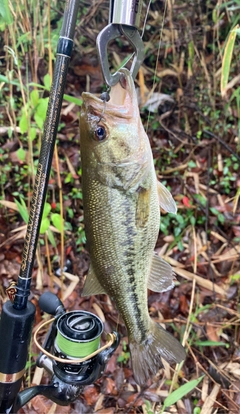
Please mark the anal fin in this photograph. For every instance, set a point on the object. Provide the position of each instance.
(92, 285)
(161, 275)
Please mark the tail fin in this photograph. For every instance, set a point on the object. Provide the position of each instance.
(146, 356)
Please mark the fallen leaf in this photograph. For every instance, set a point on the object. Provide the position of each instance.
(109, 410)
(109, 386)
(135, 400)
(212, 333)
(91, 394)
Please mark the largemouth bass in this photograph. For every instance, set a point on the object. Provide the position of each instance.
(121, 198)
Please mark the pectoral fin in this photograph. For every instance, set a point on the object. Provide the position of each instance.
(161, 275)
(165, 199)
(142, 208)
(92, 285)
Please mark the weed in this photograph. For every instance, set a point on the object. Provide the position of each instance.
(47, 217)
(179, 393)
(125, 354)
(148, 407)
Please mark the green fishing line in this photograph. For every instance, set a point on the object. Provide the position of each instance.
(77, 349)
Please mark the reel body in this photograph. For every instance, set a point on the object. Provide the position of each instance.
(71, 353)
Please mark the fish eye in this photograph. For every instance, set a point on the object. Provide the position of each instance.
(100, 133)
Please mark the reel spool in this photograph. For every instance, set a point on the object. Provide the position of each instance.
(78, 333)
(78, 336)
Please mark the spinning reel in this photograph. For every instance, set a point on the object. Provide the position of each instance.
(71, 353)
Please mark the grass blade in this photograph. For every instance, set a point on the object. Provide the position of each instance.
(5, 12)
(181, 392)
(227, 58)
(22, 208)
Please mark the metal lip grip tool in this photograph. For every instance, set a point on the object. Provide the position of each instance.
(124, 20)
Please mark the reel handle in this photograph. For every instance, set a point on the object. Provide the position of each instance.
(51, 304)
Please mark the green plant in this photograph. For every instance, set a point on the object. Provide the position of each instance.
(47, 217)
(179, 393)
(235, 277)
(125, 354)
(220, 217)
(80, 237)
(230, 170)
(226, 67)
(177, 225)
(201, 344)
(148, 407)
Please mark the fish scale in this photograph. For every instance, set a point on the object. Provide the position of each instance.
(121, 197)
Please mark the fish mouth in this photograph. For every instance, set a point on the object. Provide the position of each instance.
(121, 103)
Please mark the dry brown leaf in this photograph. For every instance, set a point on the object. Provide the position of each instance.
(167, 72)
(41, 404)
(205, 385)
(71, 168)
(171, 170)
(234, 369)
(135, 400)
(91, 394)
(212, 333)
(39, 282)
(236, 231)
(210, 400)
(52, 410)
(174, 262)
(230, 254)
(99, 312)
(9, 204)
(109, 410)
(74, 281)
(207, 284)
(37, 377)
(99, 403)
(109, 386)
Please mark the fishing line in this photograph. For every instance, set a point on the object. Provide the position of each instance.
(158, 54)
(105, 97)
(145, 20)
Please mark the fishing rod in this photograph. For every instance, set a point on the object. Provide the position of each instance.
(71, 352)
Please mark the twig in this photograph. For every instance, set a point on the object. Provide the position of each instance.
(222, 143)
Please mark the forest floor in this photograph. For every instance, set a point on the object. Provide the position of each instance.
(195, 137)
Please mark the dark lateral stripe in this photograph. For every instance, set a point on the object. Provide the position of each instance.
(130, 267)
